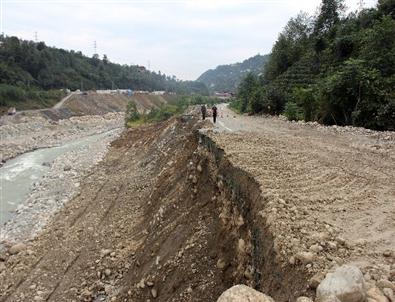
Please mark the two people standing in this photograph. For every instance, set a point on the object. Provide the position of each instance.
(213, 109)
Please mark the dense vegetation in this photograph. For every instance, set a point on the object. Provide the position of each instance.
(226, 78)
(175, 106)
(27, 69)
(331, 68)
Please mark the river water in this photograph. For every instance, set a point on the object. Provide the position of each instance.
(18, 175)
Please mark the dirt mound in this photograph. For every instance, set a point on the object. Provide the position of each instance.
(90, 104)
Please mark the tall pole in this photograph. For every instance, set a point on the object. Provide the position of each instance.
(35, 37)
(94, 47)
(82, 86)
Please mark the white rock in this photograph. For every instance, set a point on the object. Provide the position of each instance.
(346, 283)
(305, 257)
(304, 299)
(241, 293)
(383, 283)
(17, 248)
(375, 295)
(389, 293)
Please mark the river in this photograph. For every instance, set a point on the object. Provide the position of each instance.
(18, 175)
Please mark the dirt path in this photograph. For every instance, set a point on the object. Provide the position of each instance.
(331, 183)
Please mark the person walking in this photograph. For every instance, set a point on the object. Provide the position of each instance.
(215, 112)
(203, 109)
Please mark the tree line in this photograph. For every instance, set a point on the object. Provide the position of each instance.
(333, 68)
(29, 69)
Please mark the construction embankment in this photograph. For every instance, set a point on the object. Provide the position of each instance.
(168, 216)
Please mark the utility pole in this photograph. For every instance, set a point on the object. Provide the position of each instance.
(149, 65)
(35, 37)
(82, 86)
(94, 48)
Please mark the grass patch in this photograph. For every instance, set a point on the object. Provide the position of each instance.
(175, 106)
(236, 106)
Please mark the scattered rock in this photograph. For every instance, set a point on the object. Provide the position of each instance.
(375, 295)
(221, 263)
(46, 164)
(105, 252)
(67, 168)
(346, 283)
(2, 267)
(383, 283)
(316, 280)
(150, 283)
(304, 299)
(17, 248)
(305, 257)
(389, 293)
(241, 293)
(107, 272)
(316, 248)
(154, 292)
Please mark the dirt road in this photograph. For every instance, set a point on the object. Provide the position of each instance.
(333, 183)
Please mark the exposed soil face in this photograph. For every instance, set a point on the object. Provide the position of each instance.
(141, 227)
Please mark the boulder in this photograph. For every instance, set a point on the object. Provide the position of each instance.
(17, 248)
(346, 283)
(241, 293)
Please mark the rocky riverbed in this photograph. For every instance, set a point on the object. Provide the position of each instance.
(36, 132)
(58, 185)
(86, 138)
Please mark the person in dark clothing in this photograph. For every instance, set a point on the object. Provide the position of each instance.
(215, 112)
(204, 111)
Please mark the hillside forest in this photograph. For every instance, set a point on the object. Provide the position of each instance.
(226, 78)
(33, 74)
(332, 68)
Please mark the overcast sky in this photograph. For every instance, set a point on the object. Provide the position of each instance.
(179, 37)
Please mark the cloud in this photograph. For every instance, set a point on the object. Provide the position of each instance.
(181, 37)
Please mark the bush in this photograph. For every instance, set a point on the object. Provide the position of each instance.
(305, 100)
(132, 114)
(293, 112)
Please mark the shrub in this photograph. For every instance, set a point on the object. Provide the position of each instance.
(293, 112)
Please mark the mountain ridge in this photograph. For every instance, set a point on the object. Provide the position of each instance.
(226, 78)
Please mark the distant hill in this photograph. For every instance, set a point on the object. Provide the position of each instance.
(29, 71)
(227, 77)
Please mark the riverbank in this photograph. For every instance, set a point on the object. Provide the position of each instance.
(59, 184)
(37, 132)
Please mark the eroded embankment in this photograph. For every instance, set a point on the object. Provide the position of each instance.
(164, 216)
(205, 233)
(255, 258)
